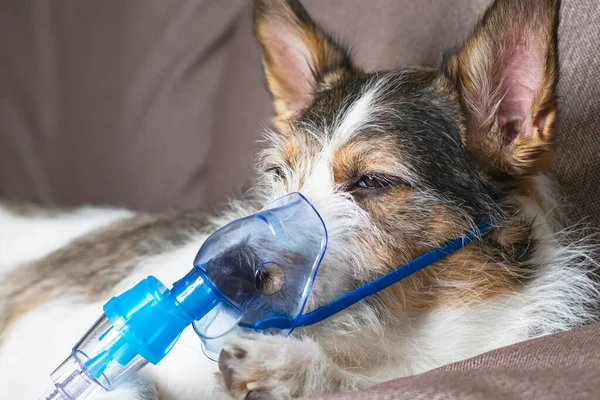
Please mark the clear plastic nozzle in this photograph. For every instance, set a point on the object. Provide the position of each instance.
(80, 377)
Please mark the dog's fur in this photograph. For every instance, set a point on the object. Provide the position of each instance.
(396, 162)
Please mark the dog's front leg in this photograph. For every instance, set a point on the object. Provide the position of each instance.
(260, 367)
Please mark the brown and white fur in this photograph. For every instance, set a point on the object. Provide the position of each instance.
(396, 162)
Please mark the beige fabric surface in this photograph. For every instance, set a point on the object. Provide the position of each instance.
(563, 366)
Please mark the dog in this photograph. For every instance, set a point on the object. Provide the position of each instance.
(396, 162)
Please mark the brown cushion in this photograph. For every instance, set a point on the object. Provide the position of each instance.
(560, 366)
(149, 104)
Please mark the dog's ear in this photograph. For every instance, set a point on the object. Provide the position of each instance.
(506, 74)
(298, 57)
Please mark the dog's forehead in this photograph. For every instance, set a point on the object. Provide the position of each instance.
(405, 105)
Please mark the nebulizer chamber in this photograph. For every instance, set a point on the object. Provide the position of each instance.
(255, 269)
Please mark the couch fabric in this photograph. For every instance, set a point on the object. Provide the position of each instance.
(152, 104)
(557, 367)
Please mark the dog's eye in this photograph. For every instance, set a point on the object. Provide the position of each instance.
(277, 171)
(372, 182)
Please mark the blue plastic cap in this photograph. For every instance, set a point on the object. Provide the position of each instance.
(149, 318)
(138, 326)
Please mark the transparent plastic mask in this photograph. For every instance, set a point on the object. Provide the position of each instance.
(263, 266)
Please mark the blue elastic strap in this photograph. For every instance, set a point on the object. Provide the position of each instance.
(390, 278)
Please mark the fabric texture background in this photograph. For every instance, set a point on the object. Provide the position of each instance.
(153, 104)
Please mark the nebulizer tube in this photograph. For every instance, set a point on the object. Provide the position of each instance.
(280, 247)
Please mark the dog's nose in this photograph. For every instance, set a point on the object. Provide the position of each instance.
(240, 273)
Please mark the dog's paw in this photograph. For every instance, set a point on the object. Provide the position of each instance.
(260, 367)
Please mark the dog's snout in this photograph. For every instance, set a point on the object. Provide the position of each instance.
(237, 272)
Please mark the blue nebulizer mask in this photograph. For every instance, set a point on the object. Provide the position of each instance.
(255, 273)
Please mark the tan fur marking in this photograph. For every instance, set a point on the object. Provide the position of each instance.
(363, 156)
(292, 150)
(462, 279)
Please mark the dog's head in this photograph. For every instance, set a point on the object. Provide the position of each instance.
(397, 162)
